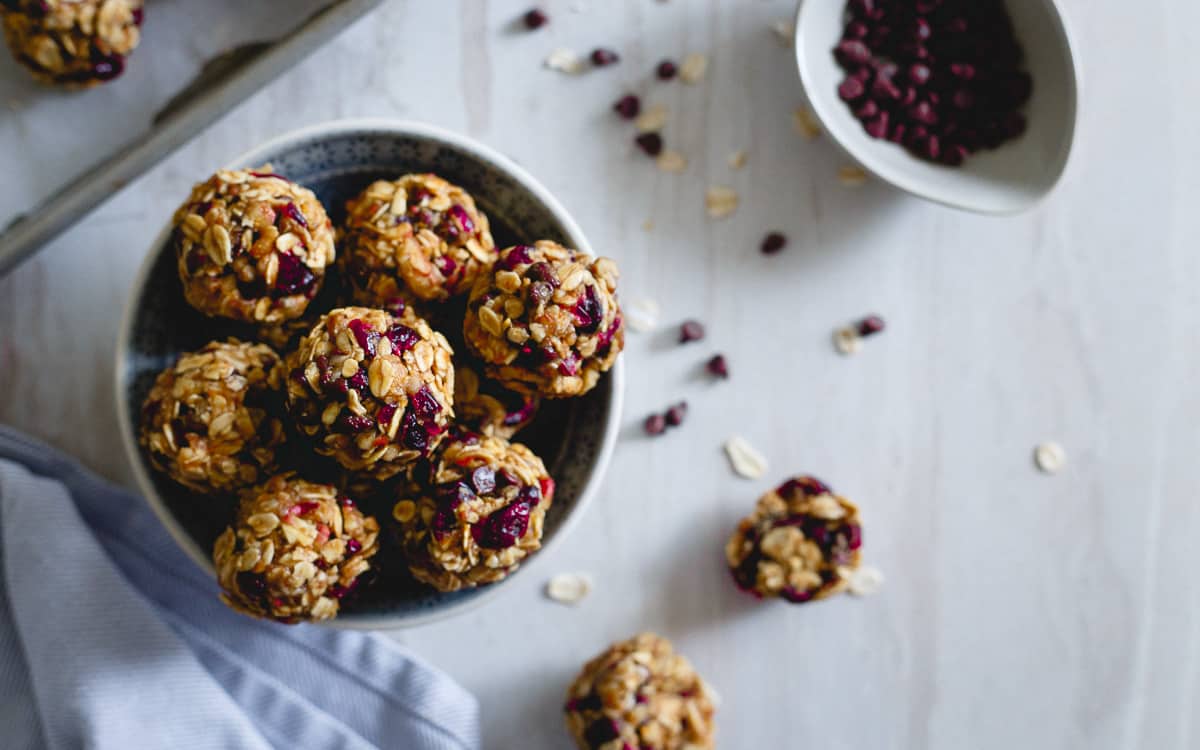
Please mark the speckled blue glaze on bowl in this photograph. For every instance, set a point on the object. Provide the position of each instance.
(336, 160)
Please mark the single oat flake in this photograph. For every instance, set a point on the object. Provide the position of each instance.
(652, 120)
(1050, 457)
(720, 201)
(671, 161)
(805, 123)
(851, 176)
(847, 341)
(745, 460)
(641, 315)
(694, 68)
(737, 159)
(785, 32)
(863, 580)
(564, 61)
(569, 588)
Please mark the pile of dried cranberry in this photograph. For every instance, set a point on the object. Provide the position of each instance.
(943, 78)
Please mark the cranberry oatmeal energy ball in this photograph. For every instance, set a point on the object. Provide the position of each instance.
(640, 694)
(207, 423)
(478, 513)
(417, 237)
(801, 543)
(252, 246)
(485, 407)
(72, 43)
(294, 551)
(546, 319)
(373, 391)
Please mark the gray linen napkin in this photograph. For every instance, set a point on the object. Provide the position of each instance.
(110, 637)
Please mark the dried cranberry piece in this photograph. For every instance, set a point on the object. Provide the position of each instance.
(809, 486)
(589, 311)
(590, 702)
(870, 325)
(108, 67)
(358, 381)
(666, 70)
(540, 292)
(691, 330)
(424, 403)
(353, 546)
(852, 52)
(569, 365)
(355, 423)
(795, 596)
(628, 106)
(851, 89)
(413, 434)
(253, 585)
(402, 337)
(395, 306)
(600, 731)
(195, 260)
(483, 479)
(503, 527)
(718, 366)
(294, 277)
(650, 143)
(535, 18)
(290, 210)
(446, 265)
(364, 335)
(676, 414)
(655, 424)
(602, 56)
(384, 414)
(461, 218)
(520, 415)
(515, 256)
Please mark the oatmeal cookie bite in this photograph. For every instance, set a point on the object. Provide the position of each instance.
(485, 407)
(640, 693)
(416, 237)
(801, 543)
(294, 551)
(72, 43)
(478, 513)
(209, 422)
(546, 319)
(252, 246)
(374, 392)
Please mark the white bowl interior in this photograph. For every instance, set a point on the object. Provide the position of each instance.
(1005, 180)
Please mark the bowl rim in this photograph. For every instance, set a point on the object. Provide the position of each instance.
(409, 128)
(899, 177)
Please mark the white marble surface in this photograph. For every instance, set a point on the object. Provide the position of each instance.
(1020, 610)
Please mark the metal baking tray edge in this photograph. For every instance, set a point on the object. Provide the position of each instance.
(224, 83)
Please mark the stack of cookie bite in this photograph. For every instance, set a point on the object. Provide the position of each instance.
(344, 359)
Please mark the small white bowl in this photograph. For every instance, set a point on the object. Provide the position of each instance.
(1006, 180)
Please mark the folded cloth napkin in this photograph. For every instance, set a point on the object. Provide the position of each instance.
(110, 637)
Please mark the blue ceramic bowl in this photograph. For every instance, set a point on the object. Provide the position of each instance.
(575, 437)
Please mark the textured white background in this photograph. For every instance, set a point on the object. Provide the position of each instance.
(1020, 610)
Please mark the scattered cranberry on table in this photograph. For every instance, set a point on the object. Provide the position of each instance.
(602, 56)
(943, 78)
(628, 106)
(666, 70)
(691, 330)
(656, 424)
(535, 19)
(676, 413)
(870, 325)
(718, 366)
(773, 243)
(650, 143)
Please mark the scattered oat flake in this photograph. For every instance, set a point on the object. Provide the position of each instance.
(851, 176)
(720, 201)
(847, 341)
(671, 161)
(785, 31)
(1050, 457)
(569, 588)
(693, 68)
(737, 159)
(805, 123)
(863, 580)
(745, 460)
(651, 120)
(641, 315)
(565, 61)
